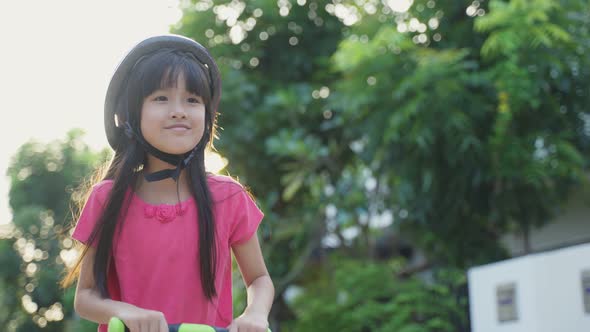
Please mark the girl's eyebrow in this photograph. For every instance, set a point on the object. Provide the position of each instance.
(167, 89)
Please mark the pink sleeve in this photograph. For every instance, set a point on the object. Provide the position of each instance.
(90, 213)
(246, 218)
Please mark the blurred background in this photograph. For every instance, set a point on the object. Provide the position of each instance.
(394, 145)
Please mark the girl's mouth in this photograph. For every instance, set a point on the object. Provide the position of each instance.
(180, 127)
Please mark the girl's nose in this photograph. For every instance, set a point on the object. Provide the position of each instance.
(178, 115)
(178, 111)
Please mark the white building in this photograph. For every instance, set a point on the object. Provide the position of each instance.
(545, 291)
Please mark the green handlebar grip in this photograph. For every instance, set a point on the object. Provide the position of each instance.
(116, 325)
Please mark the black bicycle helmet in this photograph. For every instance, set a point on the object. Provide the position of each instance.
(112, 121)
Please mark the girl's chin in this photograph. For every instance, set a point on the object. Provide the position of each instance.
(176, 149)
(175, 146)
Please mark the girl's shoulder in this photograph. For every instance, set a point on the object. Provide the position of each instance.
(104, 185)
(101, 189)
(218, 182)
(222, 186)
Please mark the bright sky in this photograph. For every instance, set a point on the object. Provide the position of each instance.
(56, 59)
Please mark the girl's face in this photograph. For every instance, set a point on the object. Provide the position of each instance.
(173, 119)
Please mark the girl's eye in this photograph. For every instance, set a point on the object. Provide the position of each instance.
(193, 100)
(160, 98)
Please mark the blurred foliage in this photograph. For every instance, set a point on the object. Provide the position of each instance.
(371, 298)
(42, 180)
(389, 149)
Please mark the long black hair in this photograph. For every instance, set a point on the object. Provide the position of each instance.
(152, 72)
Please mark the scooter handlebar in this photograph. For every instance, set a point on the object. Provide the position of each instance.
(116, 325)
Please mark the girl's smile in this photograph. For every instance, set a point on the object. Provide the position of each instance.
(181, 127)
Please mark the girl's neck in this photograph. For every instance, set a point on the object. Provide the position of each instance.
(163, 191)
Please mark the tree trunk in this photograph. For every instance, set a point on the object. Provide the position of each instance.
(526, 237)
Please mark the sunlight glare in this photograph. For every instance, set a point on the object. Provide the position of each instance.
(400, 6)
(214, 162)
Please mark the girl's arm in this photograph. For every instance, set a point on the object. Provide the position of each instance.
(90, 305)
(259, 286)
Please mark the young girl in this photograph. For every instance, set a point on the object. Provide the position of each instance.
(158, 230)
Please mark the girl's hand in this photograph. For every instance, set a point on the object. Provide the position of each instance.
(142, 320)
(249, 322)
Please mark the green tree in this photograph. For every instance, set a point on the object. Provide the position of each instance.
(539, 67)
(372, 298)
(42, 180)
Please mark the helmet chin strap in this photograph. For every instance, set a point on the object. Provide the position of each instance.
(180, 160)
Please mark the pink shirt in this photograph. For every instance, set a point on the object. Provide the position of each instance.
(156, 254)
